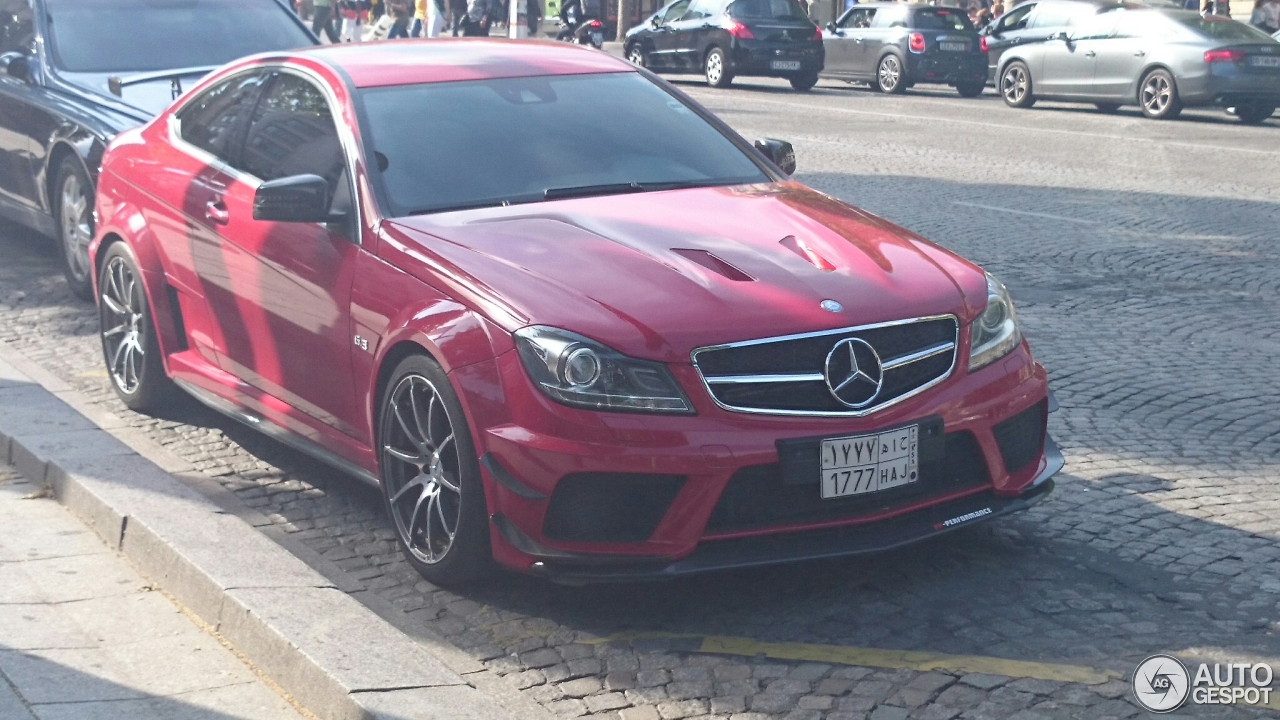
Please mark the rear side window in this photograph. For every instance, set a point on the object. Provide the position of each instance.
(767, 10)
(1220, 28)
(942, 19)
(890, 17)
(212, 122)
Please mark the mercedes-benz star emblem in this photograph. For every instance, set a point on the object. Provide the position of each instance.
(853, 373)
(1161, 683)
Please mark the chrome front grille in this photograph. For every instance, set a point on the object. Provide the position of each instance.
(788, 375)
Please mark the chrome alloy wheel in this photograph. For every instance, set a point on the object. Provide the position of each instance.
(124, 324)
(1156, 94)
(422, 469)
(715, 68)
(77, 226)
(890, 73)
(1014, 85)
(636, 56)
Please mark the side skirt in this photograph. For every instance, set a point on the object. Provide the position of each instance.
(278, 433)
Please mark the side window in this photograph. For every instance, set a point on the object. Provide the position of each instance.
(212, 121)
(1143, 25)
(699, 9)
(858, 18)
(1015, 19)
(1060, 15)
(675, 12)
(1096, 27)
(292, 132)
(890, 17)
(17, 33)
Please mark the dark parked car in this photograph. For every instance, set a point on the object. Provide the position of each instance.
(1160, 60)
(723, 39)
(74, 73)
(896, 45)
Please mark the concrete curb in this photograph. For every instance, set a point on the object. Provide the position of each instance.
(335, 656)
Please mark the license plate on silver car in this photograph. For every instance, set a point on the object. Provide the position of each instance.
(1261, 61)
(785, 65)
(862, 464)
(954, 47)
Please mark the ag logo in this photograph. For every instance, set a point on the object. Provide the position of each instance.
(1161, 683)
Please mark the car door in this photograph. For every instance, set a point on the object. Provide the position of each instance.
(1069, 65)
(1123, 56)
(843, 45)
(663, 37)
(290, 283)
(688, 33)
(888, 31)
(23, 118)
(1005, 33)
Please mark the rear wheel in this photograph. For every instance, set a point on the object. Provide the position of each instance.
(716, 69)
(1254, 114)
(889, 75)
(430, 475)
(1158, 96)
(1107, 107)
(803, 83)
(73, 195)
(128, 333)
(971, 90)
(1015, 85)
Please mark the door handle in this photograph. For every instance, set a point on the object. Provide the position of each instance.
(1140, 53)
(216, 212)
(1091, 54)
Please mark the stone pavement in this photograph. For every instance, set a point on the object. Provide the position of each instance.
(1142, 257)
(83, 637)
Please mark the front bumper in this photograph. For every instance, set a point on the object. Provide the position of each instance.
(713, 471)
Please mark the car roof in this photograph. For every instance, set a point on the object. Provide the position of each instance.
(409, 62)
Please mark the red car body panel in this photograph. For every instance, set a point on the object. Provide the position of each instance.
(262, 316)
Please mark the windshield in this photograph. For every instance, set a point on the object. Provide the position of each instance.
(115, 36)
(939, 19)
(767, 10)
(448, 146)
(1220, 28)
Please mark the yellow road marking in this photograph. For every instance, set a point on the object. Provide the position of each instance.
(875, 657)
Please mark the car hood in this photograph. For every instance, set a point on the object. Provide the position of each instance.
(143, 100)
(655, 275)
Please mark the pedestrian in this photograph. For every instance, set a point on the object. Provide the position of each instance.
(323, 20)
(400, 14)
(533, 16)
(458, 15)
(997, 9)
(1271, 16)
(355, 13)
(436, 22)
(419, 18)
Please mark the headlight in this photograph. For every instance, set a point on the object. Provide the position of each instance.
(576, 371)
(995, 332)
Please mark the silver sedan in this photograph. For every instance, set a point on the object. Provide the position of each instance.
(1161, 60)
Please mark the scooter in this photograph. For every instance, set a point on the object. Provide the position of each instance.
(590, 32)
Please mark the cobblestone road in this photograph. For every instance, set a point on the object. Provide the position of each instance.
(1141, 254)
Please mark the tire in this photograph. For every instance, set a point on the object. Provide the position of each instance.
(636, 55)
(1015, 85)
(1107, 107)
(715, 67)
(971, 90)
(1158, 95)
(889, 78)
(73, 217)
(429, 469)
(130, 347)
(1254, 114)
(804, 83)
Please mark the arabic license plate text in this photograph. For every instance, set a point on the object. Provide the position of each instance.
(870, 463)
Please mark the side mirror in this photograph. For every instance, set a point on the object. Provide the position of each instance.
(831, 28)
(780, 152)
(16, 65)
(654, 21)
(1063, 36)
(297, 198)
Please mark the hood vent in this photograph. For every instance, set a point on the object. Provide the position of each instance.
(714, 264)
(802, 249)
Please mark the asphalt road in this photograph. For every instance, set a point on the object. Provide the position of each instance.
(1140, 255)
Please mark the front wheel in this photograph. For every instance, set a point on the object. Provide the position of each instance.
(128, 331)
(1015, 86)
(716, 69)
(73, 198)
(804, 83)
(889, 75)
(1158, 96)
(430, 475)
(971, 90)
(1254, 114)
(636, 56)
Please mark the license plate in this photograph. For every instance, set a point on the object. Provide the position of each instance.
(954, 47)
(1258, 61)
(785, 64)
(863, 464)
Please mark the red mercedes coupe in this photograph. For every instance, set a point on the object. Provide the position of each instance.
(559, 313)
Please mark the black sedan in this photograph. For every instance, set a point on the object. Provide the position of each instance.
(726, 38)
(896, 45)
(75, 73)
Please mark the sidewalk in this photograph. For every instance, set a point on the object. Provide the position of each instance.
(84, 637)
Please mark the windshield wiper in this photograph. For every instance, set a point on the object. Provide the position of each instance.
(477, 204)
(589, 190)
